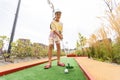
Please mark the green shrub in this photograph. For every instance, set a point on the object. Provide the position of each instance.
(78, 52)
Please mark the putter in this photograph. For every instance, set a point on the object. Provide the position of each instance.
(68, 64)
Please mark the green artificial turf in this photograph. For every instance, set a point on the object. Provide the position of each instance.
(54, 73)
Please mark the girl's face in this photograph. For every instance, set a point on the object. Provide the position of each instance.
(58, 15)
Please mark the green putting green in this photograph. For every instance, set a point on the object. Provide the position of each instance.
(54, 73)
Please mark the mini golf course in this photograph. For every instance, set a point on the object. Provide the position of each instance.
(54, 73)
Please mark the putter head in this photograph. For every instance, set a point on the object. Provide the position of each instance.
(69, 67)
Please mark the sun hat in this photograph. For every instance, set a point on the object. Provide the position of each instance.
(57, 10)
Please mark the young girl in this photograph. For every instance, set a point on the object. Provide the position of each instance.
(55, 37)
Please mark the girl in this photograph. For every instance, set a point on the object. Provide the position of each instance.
(55, 37)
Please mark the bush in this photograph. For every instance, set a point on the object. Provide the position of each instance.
(21, 48)
(78, 53)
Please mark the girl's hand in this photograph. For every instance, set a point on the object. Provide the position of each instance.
(58, 34)
(61, 36)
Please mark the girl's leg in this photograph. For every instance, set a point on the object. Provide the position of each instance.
(58, 55)
(50, 53)
(49, 57)
(58, 51)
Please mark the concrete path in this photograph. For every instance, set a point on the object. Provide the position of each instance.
(100, 70)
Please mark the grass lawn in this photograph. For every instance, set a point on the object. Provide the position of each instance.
(54, 73)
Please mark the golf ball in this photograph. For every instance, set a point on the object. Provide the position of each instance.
(66, 70)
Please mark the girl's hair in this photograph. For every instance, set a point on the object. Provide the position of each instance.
(50, 26)
(54, 18)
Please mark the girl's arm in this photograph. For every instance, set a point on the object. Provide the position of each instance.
(53, 28)
(58, 34)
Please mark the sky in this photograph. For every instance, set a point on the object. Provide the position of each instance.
(78, 16)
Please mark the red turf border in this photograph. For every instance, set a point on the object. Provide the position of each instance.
(2, 73)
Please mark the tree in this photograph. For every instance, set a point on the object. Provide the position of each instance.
(2, 41)
(81, 42)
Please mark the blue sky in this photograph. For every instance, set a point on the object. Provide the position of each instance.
(35, 17)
